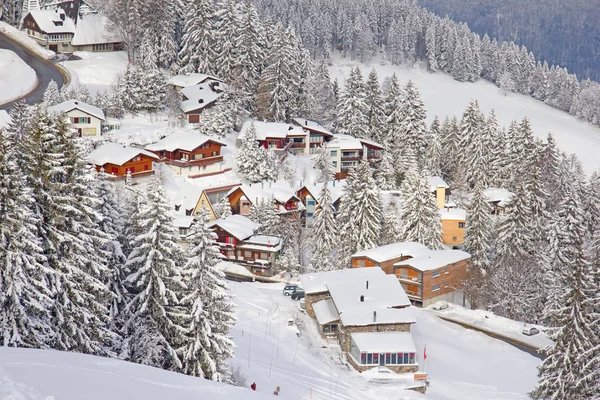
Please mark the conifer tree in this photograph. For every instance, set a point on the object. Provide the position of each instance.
(211, 311)
(435, 151)
(324, 232)
(385, 175)
(375, 111)
(154, 330)
(351, 111)
(197, 52)
(390, 226)
(223, 208)
(51, 94)
(478, 233)
(413, 124)
(324, 165)
(420, 216)
(253, 161)
(19, 118)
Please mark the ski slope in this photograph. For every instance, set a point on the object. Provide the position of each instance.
(461, 363)
(444, 96)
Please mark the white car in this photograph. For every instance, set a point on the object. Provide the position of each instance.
(302, 304)
(530, 330)
(440, 305)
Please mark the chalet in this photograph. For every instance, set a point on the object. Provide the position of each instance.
(94, 33)
(368, 313)
(198, 98)
(51, 29)
(190, 154)
(118, 160)
(309, 196)
(346, 152)
(425, 275)
(278, 137)
(434, 276)
(191, 199)
(498, 198)
(238, 243)
(316, 138)
(86, 118)
(453, 226)
(280, 193)
(178, 82)
(441, 191)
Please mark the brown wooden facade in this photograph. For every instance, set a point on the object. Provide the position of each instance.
(140, 164)
(387, 266)
(209, 152)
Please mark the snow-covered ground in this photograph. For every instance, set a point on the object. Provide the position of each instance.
(462, 364)
(97, 71)
(53, 375)
(445, 96)
(496, 324)
(16, 77)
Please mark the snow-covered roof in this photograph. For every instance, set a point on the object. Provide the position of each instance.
(436, 182)
(371, 143)
(498, 195)
(316, 282)
(271, 244)
(183, 221)
(237, 225)
(4, 119)
(344, 142)
(274, 130)
(94, 29)
(186, 80)
(384, 342)
(312, 126)
(336, 188)
(278, 190)
(453, 214)
(391, 251)
(198, 96)
(182, 140)
(116, 154)
(325, 311)
(434, 259)
(188, 196)
(53, 21)
(70, 105)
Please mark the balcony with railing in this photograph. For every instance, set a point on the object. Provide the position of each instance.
(413, 280)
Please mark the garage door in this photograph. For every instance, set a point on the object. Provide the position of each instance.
(89, 132)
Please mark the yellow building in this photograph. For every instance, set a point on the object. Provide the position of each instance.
(191, 199)
(453, 225)
(440, 189)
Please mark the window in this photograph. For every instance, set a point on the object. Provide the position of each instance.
(446, 271)
(115, 170)
(215, 153)
(435, 273)
(247, 253)
(411, 358)
(264, 256)
(435, 288)
(230, 240)
(363, 358)
(309, 215)
(370, 358)
(310, 203)
(185, 156)
(461, 225)
(298, 140)
(400, 358)
(454, 239)
(333, 153)
(183, 231)
(393, 358)
(245, 204)
(334, 164)
(406, 358)
(388, 358)
(375, 358)
(360, 263)
(445, 284)
(136, 158)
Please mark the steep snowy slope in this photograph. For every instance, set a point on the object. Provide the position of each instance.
(445, 96)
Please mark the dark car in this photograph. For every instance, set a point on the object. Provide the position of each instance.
(298, 294)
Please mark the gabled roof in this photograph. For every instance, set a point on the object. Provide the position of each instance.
(453, 214)
(116, 154)
(185, 80)
(436, 182)
(384, 342)
(344, 142)
(391, 251)
(271, 244)
(336, 188)
(183, 221)
(53, 21)
(198, 97)
(188, 196)
(498, 195)
(280, 191)
(237, 226)
(274, 130)
(93, 29)
(71, 105)
(182, 140)
(325, 311)
(434, 259)
(312, 126)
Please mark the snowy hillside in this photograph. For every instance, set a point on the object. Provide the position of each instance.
(52, 375)
(16, 79)
(445, 96)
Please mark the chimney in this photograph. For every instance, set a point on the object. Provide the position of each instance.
(200, 101)
(76, 102)
(374, 316)
(306, 122)
(362, 299)
(367, 284)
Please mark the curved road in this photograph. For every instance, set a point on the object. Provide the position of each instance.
(44, 70)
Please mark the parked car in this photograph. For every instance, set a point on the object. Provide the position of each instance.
(298, 294)
(530, 330)
(288, 290)
(440, 305)
(302, 304)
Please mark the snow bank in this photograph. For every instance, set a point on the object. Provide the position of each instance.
(97, 71)
(27, 374)
(445, 96)
(25, 40)
(16, 77)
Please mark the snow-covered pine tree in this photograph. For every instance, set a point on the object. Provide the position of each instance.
(324, 233)
(131, 88)
(352, 109)
(154, 329)
(218, 120)
(478, 157)
(223, 208)
(25, 300)
(549, 161)
(250, 157)
(207, 346)
(250, 47)
(227, 30)
(435, 151)
(420, 216)
(19, 118)
(478, 230)
(450, 140)
(471, 127)
(323, 109)
(385, 175)
(394, 107)
(570, 370)
(51, 94)
(413, 122)
(390, 225)
(375, 108)
(324, 165)
(197, 52)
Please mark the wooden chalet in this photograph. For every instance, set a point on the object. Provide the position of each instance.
(317, 135)
(118, 160)
(190, 154)
(284, 198)
(346, 152)
(309, 196)
(191, 199)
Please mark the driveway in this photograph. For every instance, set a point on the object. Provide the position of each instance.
(44, 70)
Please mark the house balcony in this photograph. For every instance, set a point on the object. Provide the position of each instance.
(409, 280)
(351, 158)
(283, 150)
(298, 145)
(414, 295)
(193, 163)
